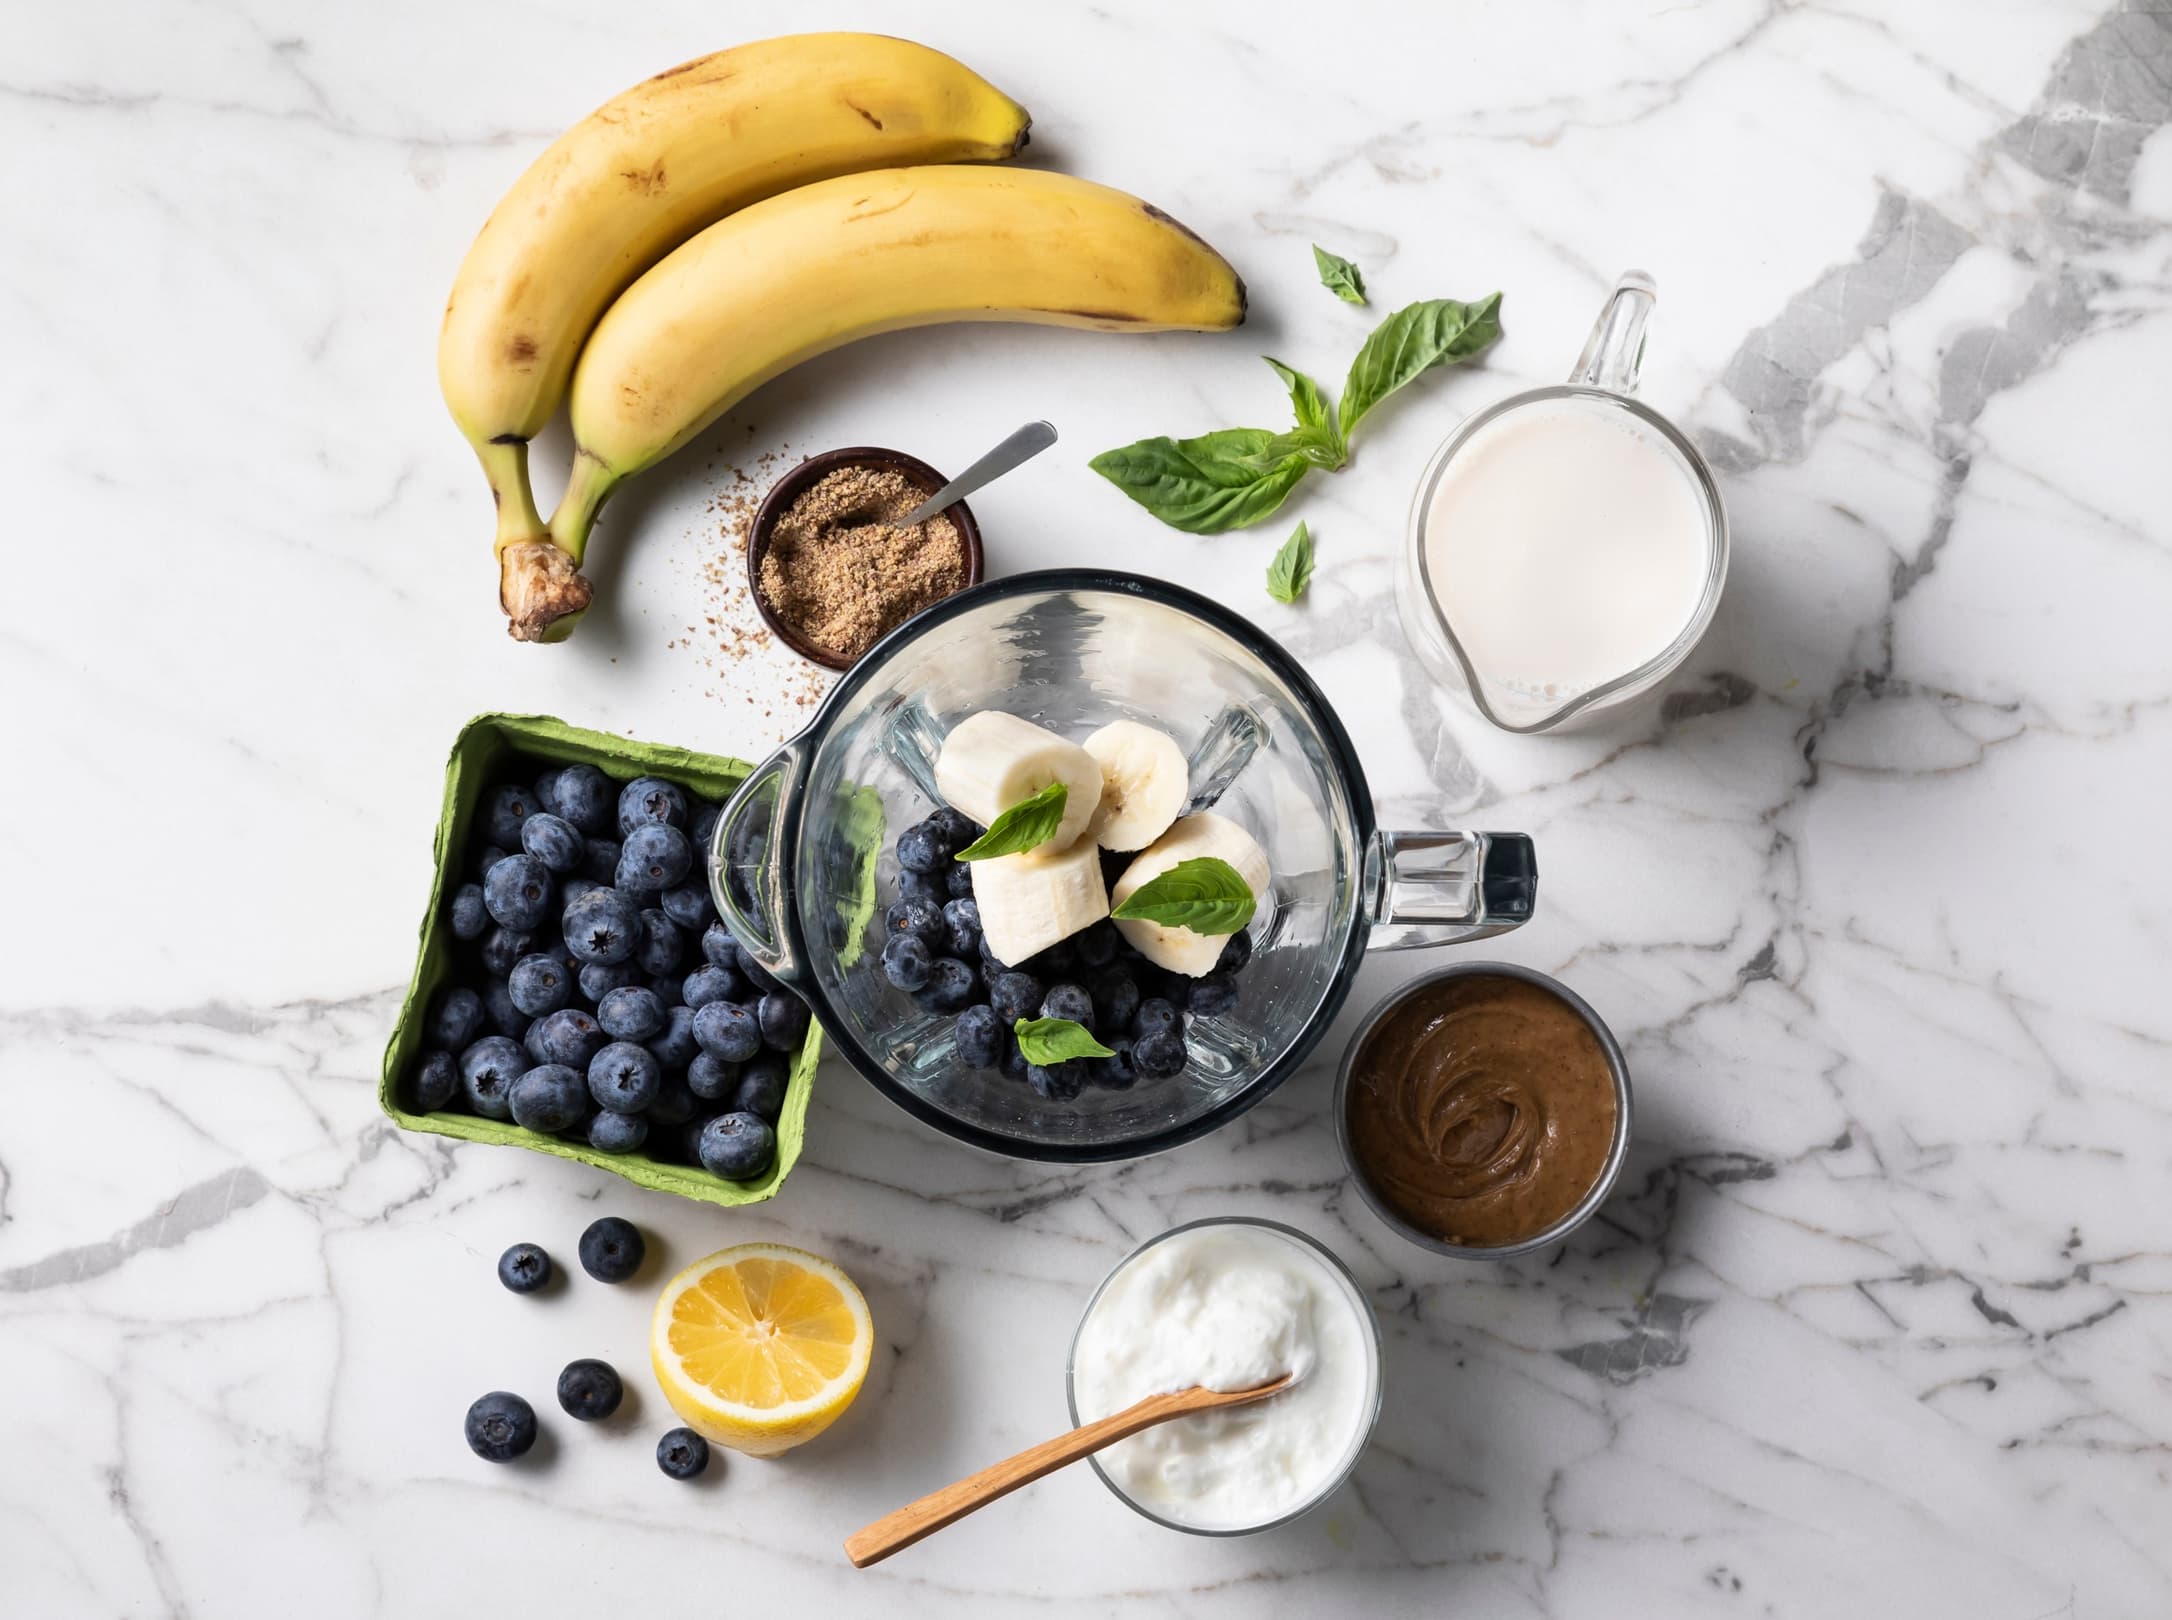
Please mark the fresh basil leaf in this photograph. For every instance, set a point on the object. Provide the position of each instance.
(1291, 571)
(1204, 894)
(1323, 447)
(1203, 485)
(1028, 824)
(1056, 1040)
(1339, 276)
(1305, 397)
(1412, 341)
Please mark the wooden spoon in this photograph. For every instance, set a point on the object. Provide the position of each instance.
(895, 1531)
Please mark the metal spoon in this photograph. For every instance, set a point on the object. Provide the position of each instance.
(1028, 442)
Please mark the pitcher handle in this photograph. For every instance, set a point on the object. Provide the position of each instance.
(1614, 353)
(1435, 888)
(746, 864)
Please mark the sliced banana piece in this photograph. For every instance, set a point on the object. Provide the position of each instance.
(992, 760)
(1145, 783)
(1181, 950)
(1029, 902)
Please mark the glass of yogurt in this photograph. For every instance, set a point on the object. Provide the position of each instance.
(1230, 1303)
(1567, 546)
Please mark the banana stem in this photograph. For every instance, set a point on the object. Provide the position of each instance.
(539, 584)
(586, 490)
(506, 466)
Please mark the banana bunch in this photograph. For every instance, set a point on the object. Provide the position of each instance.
(715, 226)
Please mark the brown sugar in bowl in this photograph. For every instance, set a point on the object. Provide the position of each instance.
(804, 477)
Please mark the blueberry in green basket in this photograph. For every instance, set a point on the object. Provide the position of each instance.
(501, 948)
(538, 984)
(585, 797)
(675, 1102)
(456, 1018)
(599, 979)
(569, 1036)
(603, 926)
(470, 917)
(552, 840)
(660, 945)
(505, 1018)
(435, 1081)
(689, 906)
(712, 1079)
(761, 1088)
(727, 1030)
(648, 801)
(599, 860)
(505, 810)
(549, 1097)
(655, 857)
(612, 1249)
(630, 1012)
(737, 1147)
(783, 1020)
(487, 1072)
(624, 1078)
(500, 1426)
(616, 1133)
(674, 1044)
(712, 983)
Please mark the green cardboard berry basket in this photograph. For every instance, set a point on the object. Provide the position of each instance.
(478, 759)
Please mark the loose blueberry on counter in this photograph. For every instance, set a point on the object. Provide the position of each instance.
(920, 849)
(549, 1097)
(519, 892)
(612, 1249)
(1213, 995)
(599, 979)
(433, 1083)
(752, 971)
(539, 984)
(603, 926)
(647, 801)
(682, 1454)
(783, 1020)
(616, 1133)
(727, 1030)
(1015, 995)
(590, 1389)
(961, 919)
(737, 1147)
(675, 1102)
(500, 1426)
(950, 988)
(599, 860)
(524, 1268)
(906, 962)
(762, 1086)
(1154, 1017)
(505, 1018)
(585, 797)
(1069, 1001)
(487, 1072)
(654, 858)
(689, 906)
(1158, 1056)
(980, 1037)
(624, 1078)
(501, 948)
(660, 945)
(1116, 997)
(505, 810)
(674, 1045)
(470, 917)
(456, 1018)
(569, 1036)
(711, 1078)
(630, 1012)
(1235, 955)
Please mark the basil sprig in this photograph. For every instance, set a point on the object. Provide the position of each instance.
(1291, 571)
(1025, 825)
(1338, 275)
(1205, 485)
(1413, 341)
(1056, 1040)
(1204, 894)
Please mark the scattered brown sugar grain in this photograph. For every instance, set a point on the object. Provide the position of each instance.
(843, 572)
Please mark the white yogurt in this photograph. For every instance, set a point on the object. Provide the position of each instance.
(1229, 1306)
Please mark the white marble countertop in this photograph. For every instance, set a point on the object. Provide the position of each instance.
(1880, 904)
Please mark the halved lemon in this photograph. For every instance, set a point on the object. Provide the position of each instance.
(761, 1347)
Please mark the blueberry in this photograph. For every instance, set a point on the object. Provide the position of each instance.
(546, 788)
(980, 1038)
(1155, 1017)
(1013, 1063)
(668, 988)
(1158, 1056)
(919, 849)
(762, 1085)
(498, 1008)
(549, 1097)
(1236, 955)
(682, 1454)
(519, 891)
(612, 1249)
(954, 829)
(572, 888)
(702, 829)
(1069, 1001)
(505, 812)
(1097, 945)
(1060, 1082)
(711, 1078)
(501, 948)
(783, 1020)
(487, 1072)
(675, 1102)
(500, 1427)
(603, 926)
(718, 947)
(660, 945)
(624, 1077)
(674, 1044)
(647, 802)
(737, 1147)
(456, 1018)
(1014, 995)
(1115, 1073)
(905, 962)
(556, 950)
(1055, 962)
(958, 881)
(1116, 998)
(713, 983)
(654, 858)
(1213, 995)
(962, 920)
(630, 1012)
(924, 886)
(950, 986)
(727, 1030)
(469, 915)
(539, 984)
(552, 841)
(1176, 989)
(753, 971)
(524, 1268)
(486, 857)
(569, 1036)
(433, 1083)
(590, 1390)
(599, 860)
(585, 797)
(616, 1133)
(923, 919)
(689, 906)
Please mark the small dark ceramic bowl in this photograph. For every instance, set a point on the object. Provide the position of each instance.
(797, 482)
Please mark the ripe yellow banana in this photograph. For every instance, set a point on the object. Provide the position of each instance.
(808, 271)
(639, 176)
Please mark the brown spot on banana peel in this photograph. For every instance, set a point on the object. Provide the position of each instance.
(541, 589)
(650, 182)
(520, 350)
(863, 112)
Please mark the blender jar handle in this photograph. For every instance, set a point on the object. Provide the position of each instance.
(746, 862)
(1614, 353)
(1435, 888)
